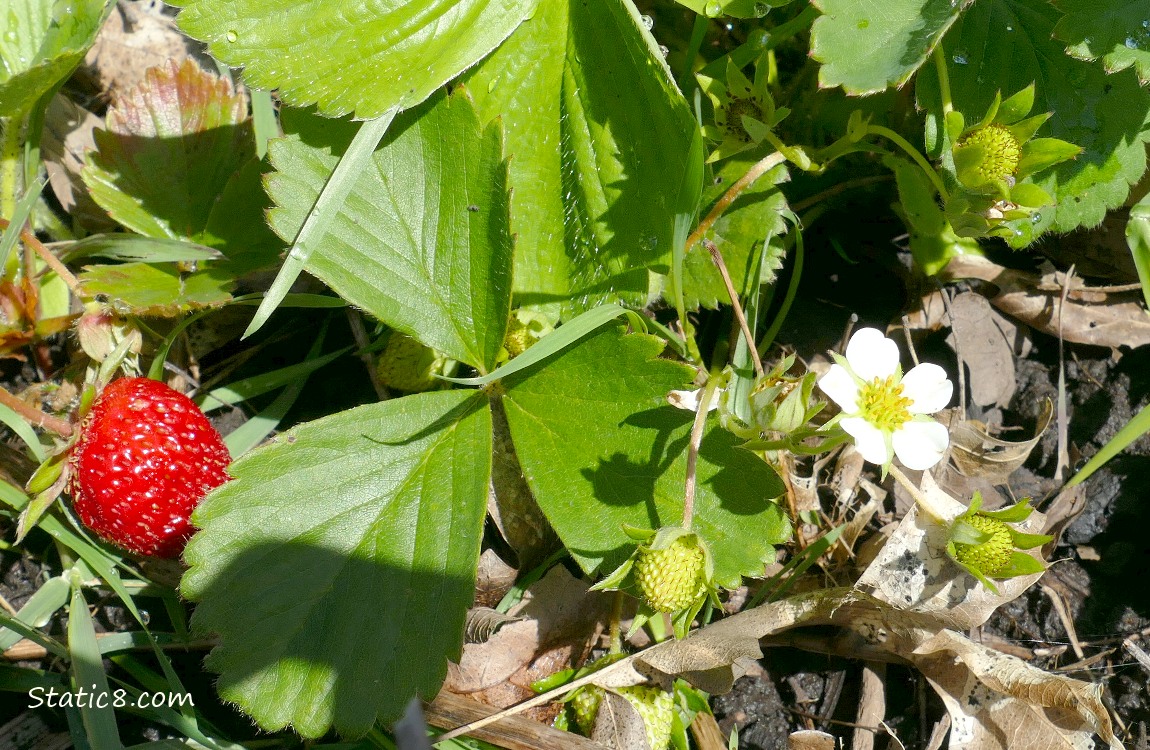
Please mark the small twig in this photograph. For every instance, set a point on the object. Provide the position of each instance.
(34, 416)
(752, 352)
(872, 705)
(1063, 462)
(925, 504)
(957, 354)
(1064, 615)
(766, 164)
(704, 406)
(538, 700)
(48, 257)
(355, 322)
(909, 340)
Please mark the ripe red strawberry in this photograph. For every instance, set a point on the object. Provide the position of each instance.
(146, 457)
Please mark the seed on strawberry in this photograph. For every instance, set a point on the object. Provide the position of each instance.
(671, 578)
(145, 458)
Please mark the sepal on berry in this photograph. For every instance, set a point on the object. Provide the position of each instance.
(987, 546)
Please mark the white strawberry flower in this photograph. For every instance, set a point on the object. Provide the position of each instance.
(885, 411)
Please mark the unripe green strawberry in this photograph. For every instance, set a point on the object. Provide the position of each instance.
(992, 556)
(407, 365)
(671, 578)
(518, 338)
(656, 707)
(1001, 152)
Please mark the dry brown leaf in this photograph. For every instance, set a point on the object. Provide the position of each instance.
(558, 614)
(1091, 316)
(67, 137)
(985, 691)
(618, 725)
(988, 356)
(136, 36)
(912, 571)
(979, 454)
(998, 702)
(494, 578)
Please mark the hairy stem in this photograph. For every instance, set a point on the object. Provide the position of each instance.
(703, 407)
(717, 257)
(48, 257)
(913, 153)
(943, 80)
(764, 165)
(34, 416)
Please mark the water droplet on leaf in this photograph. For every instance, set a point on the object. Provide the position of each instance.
(648, 22)
(232, 35)
(959, 58)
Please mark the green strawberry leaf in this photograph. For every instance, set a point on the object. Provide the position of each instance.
(178, 155)
(1004, 46)
(599, 139)
(601, 448)
(42, 43)
(1118, 31)
(159, 289)
(422, 241)
(363, 59)
(866, 46)
(752, 220)
(338, 565)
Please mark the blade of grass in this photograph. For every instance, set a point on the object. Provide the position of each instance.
(554, 342)
(23, 431)
(38, 610)
(248, 388)
(24, 680)
(24, 630)
(98, 717)
(355, 160)
(252, 433)
(23, 210)
(1133, 430)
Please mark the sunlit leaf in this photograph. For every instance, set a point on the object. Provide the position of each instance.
(364, 523)
(360, 57)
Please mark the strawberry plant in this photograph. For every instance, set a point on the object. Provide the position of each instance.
(548, 248)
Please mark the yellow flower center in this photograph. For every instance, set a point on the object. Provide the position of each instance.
(882, 404)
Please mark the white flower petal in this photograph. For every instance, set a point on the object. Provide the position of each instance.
(841, 387)
(870, 440)
(871, 354)
(920, 444)
(689, 400)
(928, 389)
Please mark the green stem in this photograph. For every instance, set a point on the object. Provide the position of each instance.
(10, 152)
(925, 504)
(943, 79)
(792, 291)
(706, 395)
(913, 153)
